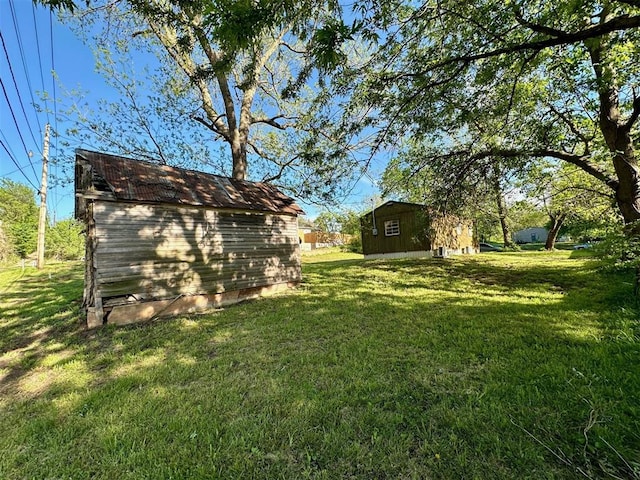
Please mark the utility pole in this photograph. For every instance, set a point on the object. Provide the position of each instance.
(42, 221)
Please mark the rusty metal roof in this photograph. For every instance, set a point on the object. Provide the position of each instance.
(134, 180)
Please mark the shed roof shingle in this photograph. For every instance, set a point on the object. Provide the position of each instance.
(135, 180)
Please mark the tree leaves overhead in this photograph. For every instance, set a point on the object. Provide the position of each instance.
(69, 5)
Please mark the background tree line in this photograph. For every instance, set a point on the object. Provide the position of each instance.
(19, 227)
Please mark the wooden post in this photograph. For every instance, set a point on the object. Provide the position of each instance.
(42, 220)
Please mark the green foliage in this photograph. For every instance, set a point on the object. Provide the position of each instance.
(619, 249)
(350, 224)
(240, 25)
(346, 222)
(19, 216)
(61, 4)
(6, 249)
(327, 222)
(488, 226)
(565, 189)
(524, 214)
(65, 240)
(355, 244)
(592, 227)
(327, 42)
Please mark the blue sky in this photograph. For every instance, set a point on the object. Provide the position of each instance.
(32, 65)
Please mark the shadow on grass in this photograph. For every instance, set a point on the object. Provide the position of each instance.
(415, 369)
(39, 316)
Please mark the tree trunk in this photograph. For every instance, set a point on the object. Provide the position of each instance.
(617, 136)
(502, 213)
(626, 166)
(617, 133)
(506, 232)
(239, 158)
(556, 224)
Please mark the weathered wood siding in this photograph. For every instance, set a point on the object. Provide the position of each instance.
(413, 224)
(163, 251)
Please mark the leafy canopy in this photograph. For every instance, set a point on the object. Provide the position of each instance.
(19, 216)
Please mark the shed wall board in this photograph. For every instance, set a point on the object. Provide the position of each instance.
(163, 251)
(413, 229)
(126, 314)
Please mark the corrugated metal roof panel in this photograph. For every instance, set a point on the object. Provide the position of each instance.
(136, 180)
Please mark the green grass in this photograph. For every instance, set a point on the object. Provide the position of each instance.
(501, 365)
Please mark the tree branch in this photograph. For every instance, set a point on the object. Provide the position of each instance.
(634, 115)
(168, 38)
(290, 48)
(283, 166)
(633, 3)
(579, 188)
(622, 22)
(257, 151)
(580, 161)
(142, 120)
(552, 32)
(272, 121)
(515, 84)
(252, 84)
(585, 140)
(223, 83)
(419, 91)
(211, 126)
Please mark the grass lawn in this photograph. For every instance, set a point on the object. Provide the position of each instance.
(494, 366)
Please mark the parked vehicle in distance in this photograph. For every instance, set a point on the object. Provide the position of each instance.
(582, 246)
(487, 247)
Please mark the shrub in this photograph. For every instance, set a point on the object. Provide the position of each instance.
(354, 245)
(65, 240)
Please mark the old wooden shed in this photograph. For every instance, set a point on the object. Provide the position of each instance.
(163, 240)
(400, 229)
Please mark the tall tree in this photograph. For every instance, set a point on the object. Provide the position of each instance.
(229, 67)
(19, 216)
(65, 240)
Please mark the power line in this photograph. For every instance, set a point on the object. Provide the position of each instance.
(18, 165)
(55, 109)
(8, 143)
(24, 64)
(53, 70)
(12, 155)
(15, 83)
(35, 27)
(26, 150)
(8, 174)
